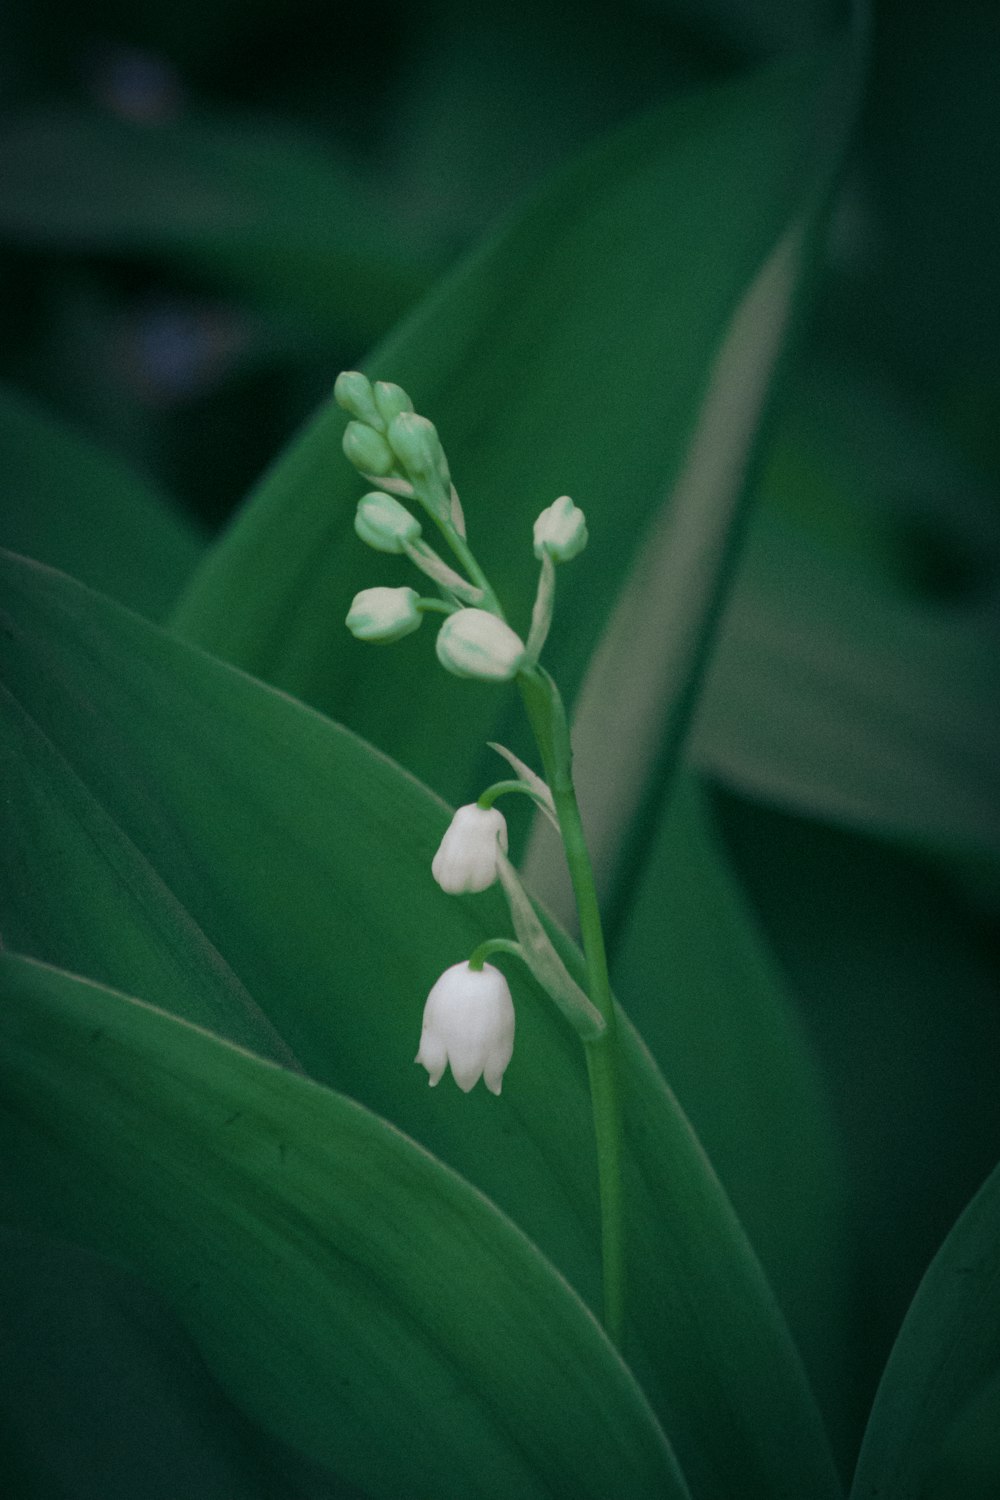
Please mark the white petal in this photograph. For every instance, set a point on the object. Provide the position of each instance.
(433, 1056)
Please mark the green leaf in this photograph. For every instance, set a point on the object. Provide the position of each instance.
(895, 980)
(262, 210)
(863, 469)
(354, 1296)
(634, 706)
(102, 1394)
(69, 503)
(835, 696)
(947, 1351)
(571, 353)
(705, 993)
(240, 839)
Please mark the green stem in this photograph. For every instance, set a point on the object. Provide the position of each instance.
(436, 607)
(486, 799)
(548, 721)
(474, 572)
(491, 946)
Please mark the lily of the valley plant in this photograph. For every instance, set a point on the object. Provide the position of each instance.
(469, 1016)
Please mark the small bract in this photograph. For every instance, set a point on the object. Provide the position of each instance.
(466, 860)
(384, 615)
(475, 643)
(561, 530)
(469, 1023)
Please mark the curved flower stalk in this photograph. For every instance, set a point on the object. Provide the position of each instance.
(469, 1015)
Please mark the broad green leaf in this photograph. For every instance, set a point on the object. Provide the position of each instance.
(715, 1011)
(261, 209)
(69, 503)
(102, 1395)
(968, 1463)
(866, 471)
(354, 1296)
(947, 1351)
(271, 849)
(570, 354)
(833, 695)
(895, 980)
(634, 705)
(495, 98)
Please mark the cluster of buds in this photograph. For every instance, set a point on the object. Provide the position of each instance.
(469, 1015)
(400, 453)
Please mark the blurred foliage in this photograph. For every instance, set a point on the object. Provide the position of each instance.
(211, 231)
(206, 211)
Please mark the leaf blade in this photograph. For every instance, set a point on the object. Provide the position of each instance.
(246, 1168)
(303, 856)
(944, 1356)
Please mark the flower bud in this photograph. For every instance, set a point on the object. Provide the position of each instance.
(391, 400)
(385, 524)
(367, 450)
(353, 392)
(415, 442)
(383, 615)
(466, 860)
(561, 530)
(475, 643)
(469, 1023)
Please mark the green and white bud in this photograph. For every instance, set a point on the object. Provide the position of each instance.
(353, 391)
(367, 449)
(384, 615)
(415, 442)
(475, 643)
(561, 531)
(385, 524)
(391, 400)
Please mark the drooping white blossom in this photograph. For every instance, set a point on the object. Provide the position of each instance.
(466, 859)
(469, 1024)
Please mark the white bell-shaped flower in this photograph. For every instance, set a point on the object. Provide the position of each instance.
(466, 859)
(469, 1023)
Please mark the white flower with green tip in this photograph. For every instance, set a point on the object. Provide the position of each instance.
(384, 615)
(476, 643)
(561, 530)
(385, 524)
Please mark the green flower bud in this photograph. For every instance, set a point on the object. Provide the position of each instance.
(367, 450)
(383, 615)
(561, 530)
(385, 524)
(391, 400)
(353, 391)
(415, 442)
(475, 643)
